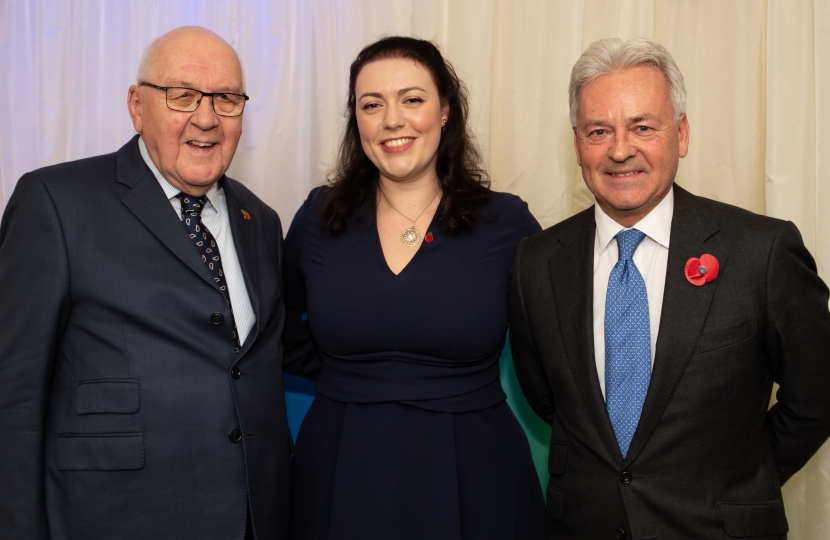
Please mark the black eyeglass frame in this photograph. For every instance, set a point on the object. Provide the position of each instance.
(198, 101)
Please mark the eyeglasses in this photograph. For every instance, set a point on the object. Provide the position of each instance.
(188, 100)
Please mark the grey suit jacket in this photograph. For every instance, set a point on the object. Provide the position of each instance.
(708, 458)
(120, 394)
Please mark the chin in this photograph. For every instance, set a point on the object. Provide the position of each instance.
(628, 207)
(202, 178)
(626, 196)
(624, 204)
(398, 176)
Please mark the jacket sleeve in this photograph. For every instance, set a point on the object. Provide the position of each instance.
(798, 347)
(299, 350)
(34, 273)
(526, 358)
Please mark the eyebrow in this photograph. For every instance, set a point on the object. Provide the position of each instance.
(590, 123)
(640, 118)
(187, 84)
(632, 120)
(400, 92)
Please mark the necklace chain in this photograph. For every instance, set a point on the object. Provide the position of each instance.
(410, 235)
(401, 213)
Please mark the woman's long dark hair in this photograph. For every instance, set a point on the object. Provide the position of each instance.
(464, 181)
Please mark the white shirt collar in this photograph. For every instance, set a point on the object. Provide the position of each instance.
(169, 189)
(656, 224)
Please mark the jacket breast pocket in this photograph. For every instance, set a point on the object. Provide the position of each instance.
(724, 338)
(113, 396)
(100, 451)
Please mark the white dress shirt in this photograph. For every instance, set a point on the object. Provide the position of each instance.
(215, 218)
(651, 258)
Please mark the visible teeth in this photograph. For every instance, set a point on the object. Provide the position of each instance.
(625, 174)
(396, 143)
(197, 143)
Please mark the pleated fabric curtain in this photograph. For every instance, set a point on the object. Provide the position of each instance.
(757, 73)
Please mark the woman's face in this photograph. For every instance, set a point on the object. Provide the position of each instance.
(399, 116)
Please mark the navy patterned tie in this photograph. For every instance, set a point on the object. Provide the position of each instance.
(627, 341)
(205, 243)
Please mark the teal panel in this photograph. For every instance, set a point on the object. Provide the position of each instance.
(538, 432)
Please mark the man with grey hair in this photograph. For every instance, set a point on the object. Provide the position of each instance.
(648, 330)
(140, 360)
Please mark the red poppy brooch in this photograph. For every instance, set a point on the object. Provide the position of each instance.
(702, 270)
(428, 237)
(246, 215)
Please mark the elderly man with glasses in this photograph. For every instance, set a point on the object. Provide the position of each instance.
(140, 359)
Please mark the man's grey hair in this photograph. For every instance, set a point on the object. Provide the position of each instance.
(143, 65)
(611, 54)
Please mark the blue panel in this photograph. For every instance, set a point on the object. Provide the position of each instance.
(299, 393)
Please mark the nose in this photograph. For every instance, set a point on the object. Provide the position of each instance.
(204, 116)
(621, 148)
(393, 118)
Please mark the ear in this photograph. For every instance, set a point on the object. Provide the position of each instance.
(576, 149)
(134, 106)
(683, 136)
(445, 113)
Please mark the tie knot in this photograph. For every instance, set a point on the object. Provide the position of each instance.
(627, 242)
(192, 205)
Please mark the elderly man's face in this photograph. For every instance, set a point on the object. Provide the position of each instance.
(627, 142)
(192, 150)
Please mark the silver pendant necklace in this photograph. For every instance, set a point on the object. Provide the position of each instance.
(410, 236)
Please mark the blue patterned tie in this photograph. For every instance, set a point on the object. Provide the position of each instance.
(627, 341)
(205, 244)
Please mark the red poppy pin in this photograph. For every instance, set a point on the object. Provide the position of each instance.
(246, 215)
(428, 237)
(702, 270)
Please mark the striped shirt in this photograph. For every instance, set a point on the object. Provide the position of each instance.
(215, 218)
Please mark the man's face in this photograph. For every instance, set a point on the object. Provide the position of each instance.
(192, 150)
(627, 142)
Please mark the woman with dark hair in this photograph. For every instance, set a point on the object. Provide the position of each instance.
(401, 263)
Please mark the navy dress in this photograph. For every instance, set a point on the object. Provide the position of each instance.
(410, 437)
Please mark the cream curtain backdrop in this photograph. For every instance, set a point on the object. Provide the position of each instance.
(757, 72)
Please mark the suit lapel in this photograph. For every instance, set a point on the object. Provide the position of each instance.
(245, 235)
(684, 310)
(572, 272)
(148, 202)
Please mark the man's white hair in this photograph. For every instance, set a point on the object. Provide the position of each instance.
(144, 64)
(611, 54)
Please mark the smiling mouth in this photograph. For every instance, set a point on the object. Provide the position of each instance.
(200, 144)
(623, 174)
(397, 143)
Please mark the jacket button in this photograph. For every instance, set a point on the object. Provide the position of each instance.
(621, 534)
(626, 478)
(235, 435)
(235, 373)
(217, 319)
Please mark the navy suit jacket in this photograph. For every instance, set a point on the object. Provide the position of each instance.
(121, 401)
(709, 456)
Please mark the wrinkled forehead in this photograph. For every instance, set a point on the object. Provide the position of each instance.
(643, 86)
